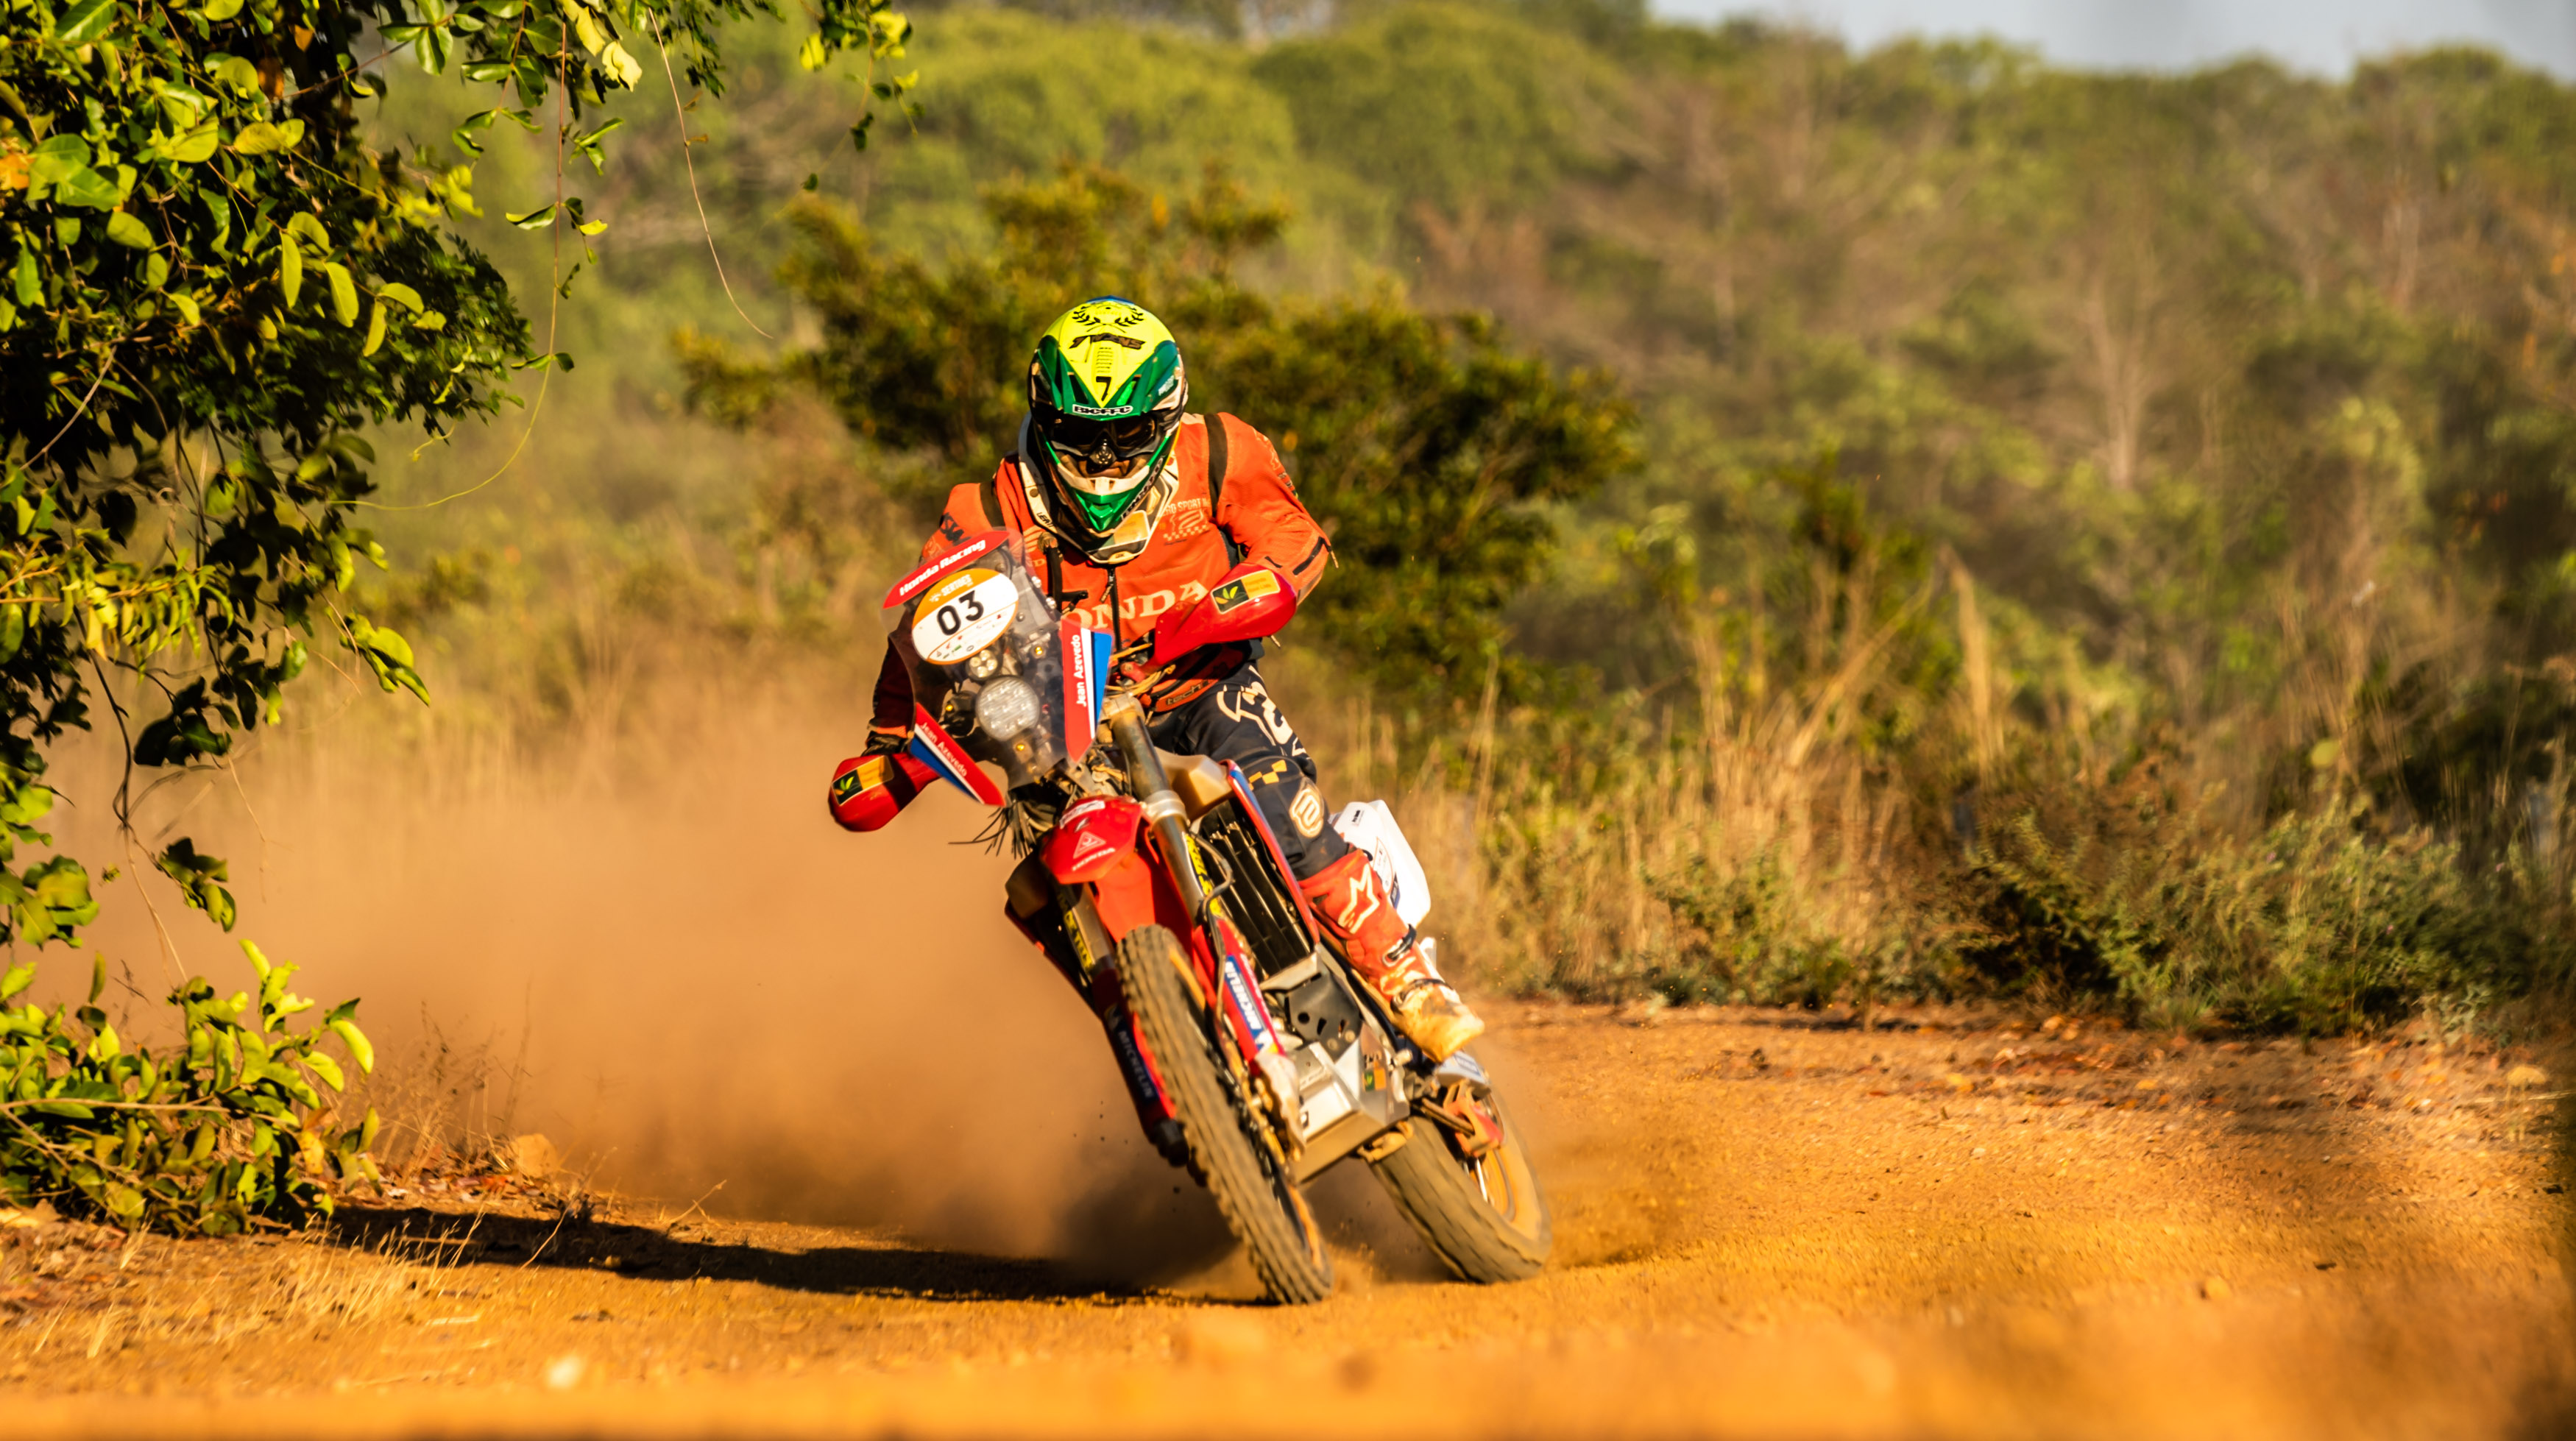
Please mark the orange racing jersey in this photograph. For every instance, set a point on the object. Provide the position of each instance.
(1252, 513)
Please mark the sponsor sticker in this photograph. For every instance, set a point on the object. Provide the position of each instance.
(911, 585)
(1081, 709)
(1186, 519)
(1084, 961)
(1307, 811)
(1243, 590)
(866, 773)
(1122, 1039)
(1247, 1006)
(963, 614)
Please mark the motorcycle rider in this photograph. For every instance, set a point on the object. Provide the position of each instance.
(1128, 507)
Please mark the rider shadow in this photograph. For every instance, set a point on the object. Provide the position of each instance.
(892, 1270)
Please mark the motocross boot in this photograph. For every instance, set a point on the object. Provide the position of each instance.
(1359, 922)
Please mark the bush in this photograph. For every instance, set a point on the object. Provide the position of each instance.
(1751, 935)
(2316, 926)
(231, 1134)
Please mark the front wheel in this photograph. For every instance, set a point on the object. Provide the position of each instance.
(1254, 1186)
(1484, 1218)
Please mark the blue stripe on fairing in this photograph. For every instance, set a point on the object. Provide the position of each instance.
(922, 751)
(1101, 647)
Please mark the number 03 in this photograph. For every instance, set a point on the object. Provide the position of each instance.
(951, 621)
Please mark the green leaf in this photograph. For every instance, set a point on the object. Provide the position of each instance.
(433, 50)
(97, 976)
(290, 268)
(375, 328)
(402, 295)
(305, 225)
(236, 72)
(17, 978)
(68, 1110)
(129, 232)
(220, 212)
(31, 285)
(326, 1068)
(262, 138)
(222, 9)
(199, 878)
(623, 66)
(86, 21)
(360, 1049)
(195, 147)
(388, 655)
(90, 190)
(344, 293)
(537, 219)
(58, 159)
(53, 899)
(186, 304)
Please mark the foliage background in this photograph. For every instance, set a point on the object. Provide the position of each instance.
(2100, 538)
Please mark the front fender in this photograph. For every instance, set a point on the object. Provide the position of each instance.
(1089, 838)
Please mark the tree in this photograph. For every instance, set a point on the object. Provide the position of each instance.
(213, 282)
(1424, 443)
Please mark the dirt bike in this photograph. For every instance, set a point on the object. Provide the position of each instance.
(1257, 1059)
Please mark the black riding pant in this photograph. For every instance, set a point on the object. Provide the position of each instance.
(1237, 721)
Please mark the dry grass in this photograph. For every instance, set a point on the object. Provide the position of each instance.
(1781, 842)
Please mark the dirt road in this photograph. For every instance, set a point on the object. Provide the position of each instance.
(1770, 1224)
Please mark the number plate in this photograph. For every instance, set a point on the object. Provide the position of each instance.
(963, 614)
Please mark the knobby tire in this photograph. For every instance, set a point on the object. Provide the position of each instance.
(1261, 1202)
(1487, 1221)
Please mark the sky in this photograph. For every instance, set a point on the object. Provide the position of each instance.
(2319, 36)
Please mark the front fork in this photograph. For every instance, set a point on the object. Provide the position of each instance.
(1080, 946)
(1064, 924)
(1227, 961)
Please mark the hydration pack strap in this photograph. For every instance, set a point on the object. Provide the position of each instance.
(1216, 468)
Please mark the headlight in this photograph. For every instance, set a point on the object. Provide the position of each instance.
(1006, 708)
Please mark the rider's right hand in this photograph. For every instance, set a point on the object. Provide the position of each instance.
(886, 742)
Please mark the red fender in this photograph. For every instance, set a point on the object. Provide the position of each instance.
(1127, 893)
(1090, 837)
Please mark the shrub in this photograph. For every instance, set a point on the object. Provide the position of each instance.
(228, 1134)
(2317, 925)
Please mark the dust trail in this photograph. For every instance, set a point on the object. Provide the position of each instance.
(707, 980)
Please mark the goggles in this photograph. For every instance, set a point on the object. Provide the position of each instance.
(1104, 449)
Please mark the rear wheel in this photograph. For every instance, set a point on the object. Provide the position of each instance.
(1484, 1218)
(1253, 1185)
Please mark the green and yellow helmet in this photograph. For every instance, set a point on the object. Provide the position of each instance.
(1106, 392)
